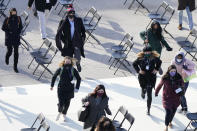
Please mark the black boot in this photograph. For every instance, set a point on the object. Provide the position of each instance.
(79, 67)
(143, 92)
(7, 60)
(148, 111)
(16, 69)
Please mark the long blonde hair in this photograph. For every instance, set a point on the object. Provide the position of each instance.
(73, 61)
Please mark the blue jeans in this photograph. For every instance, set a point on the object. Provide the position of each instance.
(183, 99)
(189, 15)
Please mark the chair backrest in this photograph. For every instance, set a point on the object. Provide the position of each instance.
(163, 7)
(128, 46)
(40, 117)
(169, 13)
(91, 11)
(4, 5)
(24, 15)
(125, 38)
(44, 126)
(122, 110)
(96, 19)
(25, 21)
(130, 119)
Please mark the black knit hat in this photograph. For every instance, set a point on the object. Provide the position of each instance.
(147, 48)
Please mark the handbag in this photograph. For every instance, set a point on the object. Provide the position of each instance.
(83, 114)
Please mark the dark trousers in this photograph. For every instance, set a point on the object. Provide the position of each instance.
(149, 96)
(169, 115)
(9, 53)
(183, 99)
(64, 102)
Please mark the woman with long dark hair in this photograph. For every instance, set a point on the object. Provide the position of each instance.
(105, 124)
(97, 102)
(12, 26)
(172, 84)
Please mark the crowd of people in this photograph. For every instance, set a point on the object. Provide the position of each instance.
(70, 39)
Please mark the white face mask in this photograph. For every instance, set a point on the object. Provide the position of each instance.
(179, 60)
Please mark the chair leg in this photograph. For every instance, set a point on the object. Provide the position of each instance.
(57, 5)
(61, 10)
(149, 24)
(187, 126)
(168, 33)
(117, 68)
(137, 9)
(112, 64)
(128, 62)
(45, 68)
(130, 6)
(116, 63)
(30, 63)
(36, 69)
(110, 59)
(125, 2)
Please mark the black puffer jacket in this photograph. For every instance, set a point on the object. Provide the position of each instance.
(182, 4)
(12, 27)
(41, 5)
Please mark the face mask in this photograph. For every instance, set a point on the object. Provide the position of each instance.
(71, 16)
(172, 74)
(99, 94)
(179, 60)
(147, 55)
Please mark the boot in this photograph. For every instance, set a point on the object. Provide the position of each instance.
(170, 125)
(180, 27)
(7, 60)
(143, 93)
(16, 69)
(148, 112)
(64, 118)
(79, 67)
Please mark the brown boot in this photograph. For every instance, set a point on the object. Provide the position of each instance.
(170, 125)
(180, 27)
(166, 129)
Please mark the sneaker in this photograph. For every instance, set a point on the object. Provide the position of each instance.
(166, 129)
(79, 67)
(180, 27)
(170, 125)
(58, 116)
(64, 118)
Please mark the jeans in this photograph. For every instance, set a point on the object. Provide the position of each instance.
(42, 21)
(9, 53)
(169, 115)
(183, 99)
(189, 15)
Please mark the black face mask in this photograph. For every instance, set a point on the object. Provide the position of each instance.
(71, 16)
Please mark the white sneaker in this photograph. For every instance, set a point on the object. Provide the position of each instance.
(58, 116)
(64, 118)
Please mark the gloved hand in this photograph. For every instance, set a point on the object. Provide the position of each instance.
(185, 67)
(76, 90)
(169, 49)
(156, 95)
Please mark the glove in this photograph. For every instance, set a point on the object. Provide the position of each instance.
(185, 67)
(156, 95)
(169, 49)
(76, 90)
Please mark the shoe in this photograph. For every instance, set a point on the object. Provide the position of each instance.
(170, 125)
(181, 111)
(185, 112)
(79, 67)
(148, 112)
(166, 129)
(65, 118)
(58, 116)
(7, 61)
(160, 71)
(16, 70)
(143, 94)
(180, 27)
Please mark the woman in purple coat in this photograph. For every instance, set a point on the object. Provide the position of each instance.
(171, 83)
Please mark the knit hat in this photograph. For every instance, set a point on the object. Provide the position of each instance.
(183, 57)
(70, 9)
(147, 48)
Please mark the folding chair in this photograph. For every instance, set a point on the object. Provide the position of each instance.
(40, 53)
(140, 5)
(125, 2)
(159, 13)
(3, 7)
(45, 62)
(41, 118)
(130, 119)
(165, 20)
(92, 26)
(64, 3)
(45, 126)
(120, 47)
(89, 16)
(194, 124)
(192, 117)
(25, 20)
(123, 111)
(121, 56)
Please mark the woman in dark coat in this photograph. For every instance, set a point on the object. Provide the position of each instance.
(12, 27)
(171, 83)
(189, 6)
(147, 65)
(66, 86)
(97, 102)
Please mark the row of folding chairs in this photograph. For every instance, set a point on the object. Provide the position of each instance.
(40, 123)
(163, 15)
(120, 53)
(140, 5)
(3, 7)
(91, 21)
(189, 45)
(125, 116)
(192, 117)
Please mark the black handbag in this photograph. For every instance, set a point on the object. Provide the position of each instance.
(83, 114)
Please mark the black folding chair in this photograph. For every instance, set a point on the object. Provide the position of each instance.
(39, 118)
(121, 56)
(92, 27)
(64, 3)
(45, 62)
(130, 119)
(120, 47)
(89, 16)
(123, 111)
(140, 5)
(3, 7)
(159, 13)
(44, 126)
(192, 117)
(165, 20)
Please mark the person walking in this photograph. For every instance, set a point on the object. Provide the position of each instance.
(189, 6)
(42, 6)
(66, 86)
(97, 104)
(147, 65)
(186, 69)
(154, 38)
(12, 26)
(171, 83)
(72, 33)
(105, 124)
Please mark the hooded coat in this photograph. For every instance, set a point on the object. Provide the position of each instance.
(188, 73)
(182, 4)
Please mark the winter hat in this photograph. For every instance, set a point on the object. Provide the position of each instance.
(147, 48)
(70, 9)
(183, 57)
